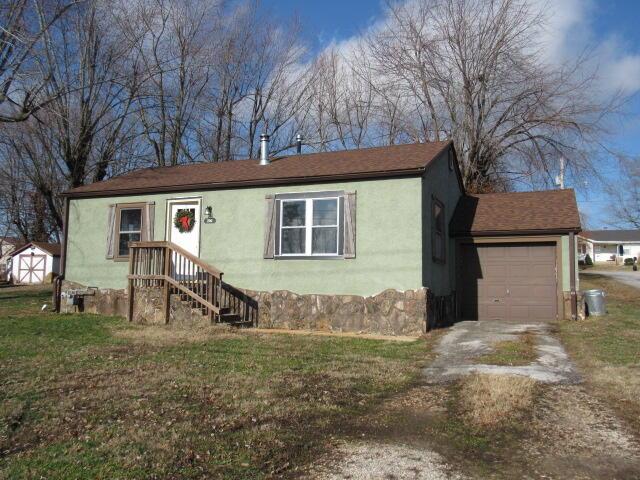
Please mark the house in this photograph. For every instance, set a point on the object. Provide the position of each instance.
(380, 239)
(7, 245)
(609, 245)
(35, 262)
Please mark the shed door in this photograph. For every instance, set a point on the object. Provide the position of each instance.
(31, 268)
(508, 282)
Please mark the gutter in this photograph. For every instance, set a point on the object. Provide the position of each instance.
(245, 183)
(512, 233)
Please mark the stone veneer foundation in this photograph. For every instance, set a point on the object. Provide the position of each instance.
(389, 313)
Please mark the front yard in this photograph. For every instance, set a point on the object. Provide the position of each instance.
(84, 396)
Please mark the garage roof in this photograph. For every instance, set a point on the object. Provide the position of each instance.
(516, 213)
(389, 161)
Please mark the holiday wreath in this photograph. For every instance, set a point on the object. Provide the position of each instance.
(184, 220)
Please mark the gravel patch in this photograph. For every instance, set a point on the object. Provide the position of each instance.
(466, 341)
(372, 460)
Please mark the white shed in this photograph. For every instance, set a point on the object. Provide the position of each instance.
(31, 263)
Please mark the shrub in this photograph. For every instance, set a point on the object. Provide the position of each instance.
(587, 260)
(628, 261)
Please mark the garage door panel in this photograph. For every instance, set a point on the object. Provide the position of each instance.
(516, 281)
(495, 311)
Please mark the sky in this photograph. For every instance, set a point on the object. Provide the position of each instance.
(608, 26)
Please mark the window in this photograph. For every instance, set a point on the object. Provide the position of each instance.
(438, 236)
(309, 227)
(129, 224)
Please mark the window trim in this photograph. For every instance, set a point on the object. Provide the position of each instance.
(308, 226)
(126, 206)
(435, 202)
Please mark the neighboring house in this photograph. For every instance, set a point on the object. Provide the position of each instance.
(7, 245)
(33, 262)
(609, 245)
(287, 234)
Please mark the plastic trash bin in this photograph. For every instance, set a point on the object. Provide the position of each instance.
(595, 301)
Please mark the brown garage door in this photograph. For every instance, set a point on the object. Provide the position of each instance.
(508, 281)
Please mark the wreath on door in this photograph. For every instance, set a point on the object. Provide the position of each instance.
(184, 220)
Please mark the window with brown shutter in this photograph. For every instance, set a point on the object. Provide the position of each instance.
(438, 234)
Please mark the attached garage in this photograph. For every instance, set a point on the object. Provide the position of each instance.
(502, 281)
(516, 256)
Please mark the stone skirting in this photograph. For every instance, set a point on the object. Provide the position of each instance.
(391, 312)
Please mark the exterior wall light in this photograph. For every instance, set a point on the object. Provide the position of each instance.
(209, 215)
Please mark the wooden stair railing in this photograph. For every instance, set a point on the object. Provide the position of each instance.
(166, 265)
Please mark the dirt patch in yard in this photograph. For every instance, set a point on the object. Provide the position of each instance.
(545, 431)
(489, 401)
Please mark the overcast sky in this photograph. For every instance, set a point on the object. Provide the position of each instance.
(610, 28)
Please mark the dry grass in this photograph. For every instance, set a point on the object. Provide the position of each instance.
(607, 349)
(84, 396)
(490, 401)
(161, 335)
(511, 352)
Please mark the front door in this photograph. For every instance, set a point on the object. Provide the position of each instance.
(184, 225)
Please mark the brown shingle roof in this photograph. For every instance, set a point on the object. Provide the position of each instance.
(52, 248)
(612, 235)
(346, 164)
(516, 212)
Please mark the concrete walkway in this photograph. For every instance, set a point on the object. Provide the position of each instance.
(628, 277)
(466, 341)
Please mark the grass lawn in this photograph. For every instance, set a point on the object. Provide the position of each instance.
(85, 396)
(607, 348)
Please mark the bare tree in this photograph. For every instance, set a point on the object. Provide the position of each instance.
(476, 73)
(23, 76)
(625, 194)
(86, 127)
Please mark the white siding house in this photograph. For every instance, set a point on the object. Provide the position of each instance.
(609, 245)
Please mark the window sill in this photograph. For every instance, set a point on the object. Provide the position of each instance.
(308, 257)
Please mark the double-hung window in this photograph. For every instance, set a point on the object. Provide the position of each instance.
(129, 222)
(309, 227)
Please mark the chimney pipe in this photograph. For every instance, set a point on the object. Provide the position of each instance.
(264, 149)
(298, 144)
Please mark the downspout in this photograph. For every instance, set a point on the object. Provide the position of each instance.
(572, 275)
(57, 291)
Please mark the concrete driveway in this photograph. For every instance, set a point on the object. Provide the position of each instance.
(466, 341)
(628, 277)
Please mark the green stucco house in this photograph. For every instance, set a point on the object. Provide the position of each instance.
(379, 239)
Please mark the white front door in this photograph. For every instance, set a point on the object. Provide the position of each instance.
(184, 224)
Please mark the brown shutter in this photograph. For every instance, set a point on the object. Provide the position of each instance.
(350, 225)
(269, 226)
(111, 232)
(148, 221)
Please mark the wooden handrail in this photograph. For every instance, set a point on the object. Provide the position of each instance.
(176, 248)
(165, 264)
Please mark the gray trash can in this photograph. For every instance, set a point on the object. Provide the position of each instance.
(596, 304)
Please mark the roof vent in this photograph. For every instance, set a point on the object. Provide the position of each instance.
(264, 149)
(298, 144)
